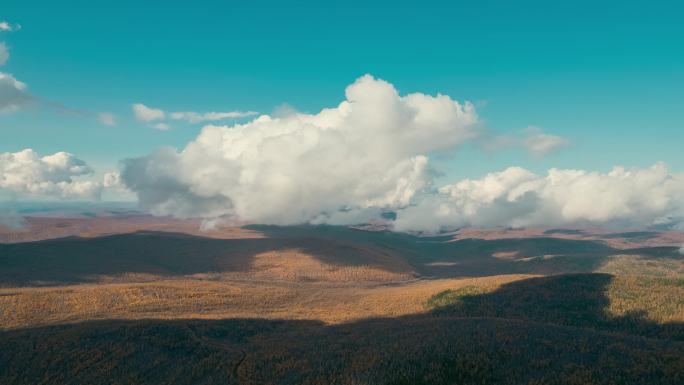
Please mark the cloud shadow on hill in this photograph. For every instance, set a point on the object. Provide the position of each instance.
(540, 330)
(73, 259)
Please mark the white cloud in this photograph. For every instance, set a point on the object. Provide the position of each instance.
(13, 93)
(106, 118)
(350, 163)
(161, 126)
(195, 117)
(681, 250)
(518, 198)
(367, 153)
(4, 53)
(7, 27)
(51, 176)
(540, 144)
(147, 114)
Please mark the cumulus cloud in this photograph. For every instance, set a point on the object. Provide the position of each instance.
(147, 114)
(367, 153)
(517, 197)
(51, 176)
(196, 117)
(106, 118)
(540, 143)
(4, 53)
(13, 93)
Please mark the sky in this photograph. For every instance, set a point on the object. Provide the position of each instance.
(582, 85)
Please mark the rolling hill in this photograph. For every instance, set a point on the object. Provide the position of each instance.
(337, 305)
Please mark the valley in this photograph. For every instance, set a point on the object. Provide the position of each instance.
(150, 302)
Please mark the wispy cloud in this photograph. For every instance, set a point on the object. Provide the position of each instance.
(540, 144)
(7, 27)
(161, 126)
(196, 117)
(106, 118)
(533, 139)
(147, 114)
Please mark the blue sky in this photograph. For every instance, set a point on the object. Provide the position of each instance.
(605, 75)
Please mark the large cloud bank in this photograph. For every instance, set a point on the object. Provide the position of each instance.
(519, 198)
(367, 153)
(51, 176)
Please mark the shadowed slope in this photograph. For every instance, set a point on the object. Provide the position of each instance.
(376, 255)
(581, 300)
(169, 254)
